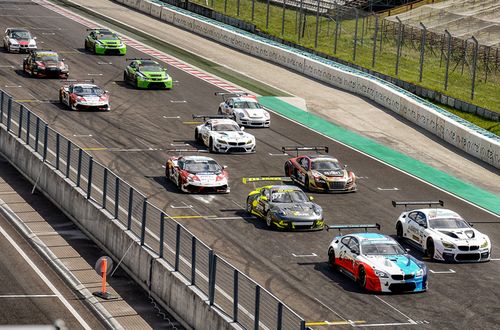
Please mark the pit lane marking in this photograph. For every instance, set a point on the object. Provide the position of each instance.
(193, 216)
(7, 66)
(103, 63)
(348, 322)
(175, 117)
(410, 320)
(387, 189)
(304, 255)
(178, 101)
(13, 86)
(94, 74)
(192, 122)
(185, 206)
(280, 154)
(495, 259)
(82, 135)
(449, 271)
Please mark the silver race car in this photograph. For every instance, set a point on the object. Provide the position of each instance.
(244, 109)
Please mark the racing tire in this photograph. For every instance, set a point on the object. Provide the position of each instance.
(399, 230)
(60, 98)
(136, 83)
(331, 258)
(219, 112)
(269, 221)
(211, 147)
(429, 251)
(197, 137)
(288, 169)
(362, 277)
(72, 107)
(307, 183)
(249, 206)
(86, 45)
(125, 78)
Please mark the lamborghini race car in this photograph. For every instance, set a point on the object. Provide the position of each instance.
(104, 42)
(45, 63)
(18, 40)
(223, 135)
(244, 109)
(284, 207)
(82, 96)
(376, 262)
(319, 172)
(146, 73)
(197, 174)
(441, 233)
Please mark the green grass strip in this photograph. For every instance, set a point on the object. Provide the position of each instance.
(405, 163)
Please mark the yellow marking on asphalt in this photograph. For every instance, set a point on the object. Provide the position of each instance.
(192, 122)
(192, 216)
(310, 324)
(68, 52)
(94, 149)
(26, 101)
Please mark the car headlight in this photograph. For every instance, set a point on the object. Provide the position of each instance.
(317, 209)
(249, 142)
(485, 244)
(419, 272)
(281, 212)
(99, 42)
(13, 41)
(222, 141)
(32, 43)
(382, 274)
(266, 114)
(448, 245)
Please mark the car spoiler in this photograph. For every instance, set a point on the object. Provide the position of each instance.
(406, 203)
(265, 178)
(357, 226)
(317, 149)
(205, 117)
(224, 94)
(137, 58)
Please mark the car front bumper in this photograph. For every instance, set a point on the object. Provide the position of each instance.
(297, 223)
(195, 187)
(236, 147)
(21, 48)
(448, 255)
(151, 83)
(250, 122)
(110, 50)
(333, 186)
(51, 72)
(92, 106)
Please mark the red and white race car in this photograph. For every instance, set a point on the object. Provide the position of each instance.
(197, 174)
(81, 96)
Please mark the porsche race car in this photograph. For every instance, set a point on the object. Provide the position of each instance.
(18, 40)
(244, 109)
(83, 96)
(319, 172)
(197, 174)
(223, 135)
(441, 233)
(376, 262)
(146, 73)
(45, 63)
(284, 206)
(104, 42)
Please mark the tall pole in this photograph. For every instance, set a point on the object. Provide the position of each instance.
(317, 27)
(355, 36)
(375, 41)
(398, 54)
(422, 50)
(448, 54)
(474, 63)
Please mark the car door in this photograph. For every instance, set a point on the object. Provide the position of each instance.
(344, 258)
(416, 226)
(66, 94)
(263, 203)
(206, 130)
(304, 165)
(6, 38)
(131, 70)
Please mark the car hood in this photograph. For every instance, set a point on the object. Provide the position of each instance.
(232, 135)
(393, 264)
(461, 235)
(24, 41)
(52, 63)
(295, 209)
(333, 173)
(252, 113)
(155, 74)
(110, 41)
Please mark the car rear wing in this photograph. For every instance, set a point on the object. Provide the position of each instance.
(406, 203)
(68, 82)
(137, 59)
(266, 178)
(352, 227)
(317, 149)
(206, 117)
(225, 94)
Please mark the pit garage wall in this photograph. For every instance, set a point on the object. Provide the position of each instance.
(450, 128)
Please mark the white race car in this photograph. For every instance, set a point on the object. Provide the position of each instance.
(441, 233)
(223, 135)
(244, 109)
(80, 96)
(18, 40)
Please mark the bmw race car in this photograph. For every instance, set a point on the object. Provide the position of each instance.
(283, 206)
(441, 233)
(45, 63)
(244, 109)
(197, 174)
(18, 40)
(377, 262)
(84, 95)
(223, 135)
(319, 172)
(146, 73)
(104, 42)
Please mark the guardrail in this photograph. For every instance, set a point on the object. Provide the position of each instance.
(238, 296)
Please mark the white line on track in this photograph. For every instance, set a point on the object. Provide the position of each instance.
(178, 101)
(94, 74)
(387, 189)
(449, 271)
(495, 259)
(280, 154)
(304, 255)
(7, 66)
(27, 296)
(45, 279)
(173, 117)
(410, 320)
(330, 309)
(13, 86)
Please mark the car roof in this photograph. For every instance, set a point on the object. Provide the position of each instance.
(84, 85)
(319, 158)
(41, 51)
(435, 213)
(283, 187)
(196, 158)
(18, 29)
(372, 237)
(147, 62)
(244, 99)
(222, 121)
(103, 31)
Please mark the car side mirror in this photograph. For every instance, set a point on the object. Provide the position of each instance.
(311, 198)
(345, 166)
(470, 224)
(263, 198)
(224, 167)
(242, 128)
(62, 60)
(231, 106)
(34, 38)
(422, 225)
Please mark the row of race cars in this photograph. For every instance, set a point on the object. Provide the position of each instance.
(376, 261)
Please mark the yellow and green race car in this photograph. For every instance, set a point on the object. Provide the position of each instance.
(104, 42)
(284, 207)
(146, 73)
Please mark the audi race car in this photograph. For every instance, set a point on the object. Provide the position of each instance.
(104, 42)
(45, 63)
(84, 95)
(376, 262)
(441, 233)
(244, 109)
(194, 174)
(319, 172)
(283, 206)
(223, 135)
(146, 73)
(18, 40)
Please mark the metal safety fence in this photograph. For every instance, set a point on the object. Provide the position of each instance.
(234, 293)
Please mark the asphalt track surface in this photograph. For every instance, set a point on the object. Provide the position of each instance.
(134, 140)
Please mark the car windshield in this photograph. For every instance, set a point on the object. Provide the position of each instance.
(381, 248)
(106, 35)
(288, 196)
(42, 57)
(199, 166)
(226, 127)
(151, 68)
(87, 90)
(20, 35)
(448, 223)
(326, 165)
(247, 105)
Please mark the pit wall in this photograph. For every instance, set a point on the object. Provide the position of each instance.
(448, 127)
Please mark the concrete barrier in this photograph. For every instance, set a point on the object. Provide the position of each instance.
(452, 129)
(156, 10)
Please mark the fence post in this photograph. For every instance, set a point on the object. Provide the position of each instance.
(447, 60)
(57, 150)
(283, 19)
(129, 214)
(235, 295)
(105, 188)
(355, 36)
(162, 233)
(45, 141)
(257, 307)
(398, 53)
(374, 51)
(20, 128)
(2, 97)
(253, 9)
(336, 32)
(68, 158)
(117, 196)
(193, 260)
(299, 27)
(79, 167)
(9, 113)
(28, 127)
(302, 325)
(143, 221)
(474, 63)
(267, 14)
(212, 268)
(37, 132)
(422, 51)
(238, 8)
(225, 6)
(279, 325)
(89, 177)
(177, 246)
(317, 27)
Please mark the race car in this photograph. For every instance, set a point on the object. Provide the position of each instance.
(284, 206)
(84, 96)
(45, 63)
(244, 109)
(441, 234)
(376, 262)
(319, 172)
(18, 40)
(146, 73)
(195, 174)
(223, 135)
(104, 42)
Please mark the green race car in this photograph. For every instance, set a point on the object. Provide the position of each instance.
(104, 42)
(146, 73)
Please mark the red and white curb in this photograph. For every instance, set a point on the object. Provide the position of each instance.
(145, 49)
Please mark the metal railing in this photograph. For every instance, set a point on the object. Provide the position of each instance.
(237, 295)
